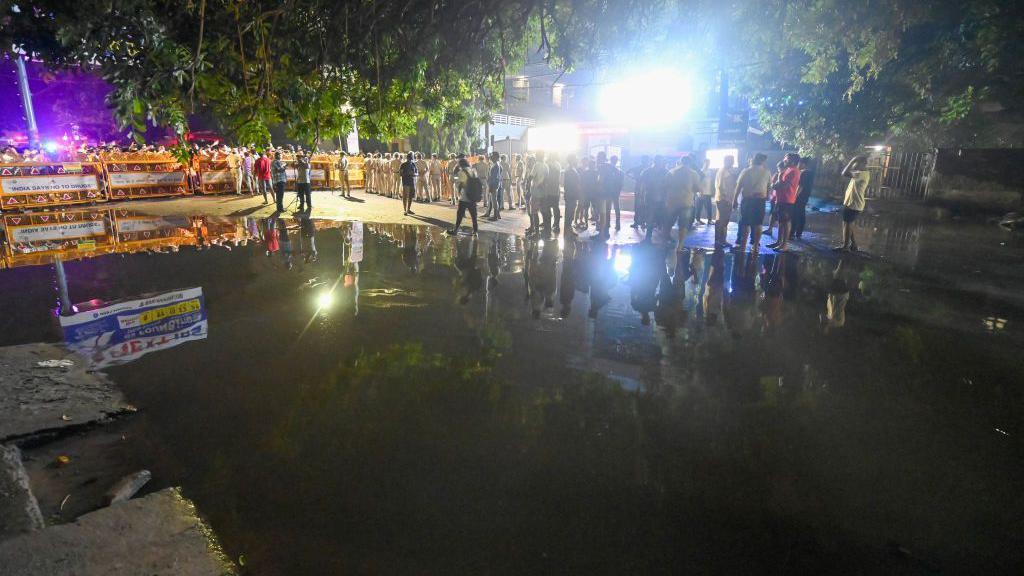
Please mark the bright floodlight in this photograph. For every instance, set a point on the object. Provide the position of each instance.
(716, 157)
(554, 138)
(50, 147)
(656, 98)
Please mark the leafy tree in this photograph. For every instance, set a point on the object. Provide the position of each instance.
(313, 65)
(831, 76)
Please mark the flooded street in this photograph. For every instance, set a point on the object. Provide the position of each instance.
(381, 398)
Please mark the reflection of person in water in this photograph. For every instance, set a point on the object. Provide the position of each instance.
(836, 298)
(349, 275)
(541, 261)
(493, 266)
(567, 285)
(740, 311)
(270, 236)
(470, 279)
(410, 249)
(715, 290)
(780, 279)
(602, 278)
(286, 242)
(307, 238)
(669, 312)
(647, 266)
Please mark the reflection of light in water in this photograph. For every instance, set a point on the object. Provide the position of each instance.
(324, 300)
(561, 242)
(622, 262)
(993, 323)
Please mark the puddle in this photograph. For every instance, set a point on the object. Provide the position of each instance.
(383, 398)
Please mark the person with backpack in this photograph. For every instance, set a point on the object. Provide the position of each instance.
(471, 190)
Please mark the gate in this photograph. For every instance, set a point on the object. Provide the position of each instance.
(899, 175)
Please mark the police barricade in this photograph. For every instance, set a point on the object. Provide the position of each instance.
(320, 173)
(145, 179)
(356, 172)
(36, 237)
(216, 176)
(136, 231)
(38, 184)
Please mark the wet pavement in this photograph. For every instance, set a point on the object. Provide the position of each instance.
(381, 398)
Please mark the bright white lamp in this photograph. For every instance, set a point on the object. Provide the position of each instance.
(659, 97)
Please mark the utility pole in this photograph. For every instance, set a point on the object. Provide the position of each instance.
(26, 102)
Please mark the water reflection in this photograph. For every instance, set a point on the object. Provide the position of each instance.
(466, 403)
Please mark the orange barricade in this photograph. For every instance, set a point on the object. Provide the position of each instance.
(35, 184)
(137, 231)
(35, 238)
(320, 174)
(356, 172)
(145, 179)
(216, 176)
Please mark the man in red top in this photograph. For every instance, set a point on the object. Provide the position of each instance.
(262, 170)
(785, 194)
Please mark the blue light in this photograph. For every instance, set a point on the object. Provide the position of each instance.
(51, 147)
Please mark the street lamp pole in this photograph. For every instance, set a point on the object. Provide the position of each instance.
(26, 102)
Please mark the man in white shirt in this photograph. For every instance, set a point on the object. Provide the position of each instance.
(725, 196)
(854, 200)
(752, 185)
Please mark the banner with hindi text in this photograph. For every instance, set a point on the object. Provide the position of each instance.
(32, 185)
(146, 179)
(72, 233)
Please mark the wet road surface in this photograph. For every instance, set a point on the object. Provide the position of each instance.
(397, 401)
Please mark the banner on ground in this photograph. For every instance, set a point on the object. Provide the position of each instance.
(122, 332)
(146, 179)
(216, 177)
(34, 238)
(31, 185)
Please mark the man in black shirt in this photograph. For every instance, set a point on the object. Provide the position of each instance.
(408, 172)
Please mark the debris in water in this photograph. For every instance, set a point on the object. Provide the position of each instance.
(62, 503)
(63, 460)
(127, 487)
(1003, 432)
(55, 363)
(65, 417)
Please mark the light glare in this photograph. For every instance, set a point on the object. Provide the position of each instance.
(659, 97)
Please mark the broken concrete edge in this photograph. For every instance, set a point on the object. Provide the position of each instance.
(19, 509)
(213, 542)
(160, 534)
(35, 399)
(48, 435)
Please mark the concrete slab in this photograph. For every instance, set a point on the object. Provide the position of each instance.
(156, 535)
(36, 398)
(19, 511)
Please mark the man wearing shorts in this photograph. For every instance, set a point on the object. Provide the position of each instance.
(752, 187)
(786, 190)
(853, 201)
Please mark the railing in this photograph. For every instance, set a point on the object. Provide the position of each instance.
(30, 185)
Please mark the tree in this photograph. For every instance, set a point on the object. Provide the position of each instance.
(832, 76)
(313, 65)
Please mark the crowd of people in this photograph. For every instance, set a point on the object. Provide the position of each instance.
(536, 183)
(679, 196)
(670, 194)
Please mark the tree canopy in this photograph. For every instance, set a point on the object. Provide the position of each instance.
(827, 76)
(311, 65)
